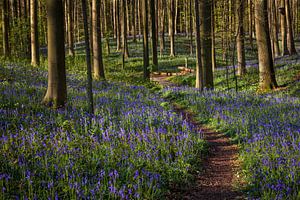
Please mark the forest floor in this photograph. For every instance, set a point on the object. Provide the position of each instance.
(220, 176)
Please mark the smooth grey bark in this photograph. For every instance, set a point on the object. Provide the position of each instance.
(267, 80)
(35, 56)
(56, 94)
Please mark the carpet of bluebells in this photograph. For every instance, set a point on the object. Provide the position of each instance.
(132, 148)
(266, 126)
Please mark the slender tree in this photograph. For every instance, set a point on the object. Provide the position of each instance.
(172, 27)
(154, 39)
(145, 41)
(289, 21)
(267, 80)
(285, 50)
(240, 39)
(5, 28)
(199, 70)
(88, 58)
(124, 29)
(70, 27)
(35, 57)
(97, 43)
(56, 94)
(206, 43)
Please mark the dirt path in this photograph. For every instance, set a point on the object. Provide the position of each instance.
(219, 176)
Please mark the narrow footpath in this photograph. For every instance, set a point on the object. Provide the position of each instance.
(219, 177)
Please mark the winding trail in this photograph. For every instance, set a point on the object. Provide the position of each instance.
(219, 177)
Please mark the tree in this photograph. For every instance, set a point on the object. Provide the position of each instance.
(70, 27)
(172, 27)
(145, 40)
(97, 43)
(206, 43)
(124, 29)
(199, 70)
(56, 94)
(267, 80)
(88, 59)
(35, 56)
(5, 28)
(240, 39)
(285, 50)
(154, 39)
(290, 37)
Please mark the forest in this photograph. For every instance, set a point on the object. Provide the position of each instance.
(150, 99)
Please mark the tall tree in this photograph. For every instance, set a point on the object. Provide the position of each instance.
(56, 94)
(145, 40)
(206, 43)
(285, 50)
(5, 28)
(274, 25)
(290, 36)
(162, 7)
(172, 27)
(97, 43)
(88, 58)
(240, 39)
(154, 39)
(124, 29)
(35, 56)
(199, 70)
(267, 80)
(70, 27)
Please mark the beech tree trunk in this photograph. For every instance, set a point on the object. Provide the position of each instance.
(290, 36)
(124, 29)
(172, 27)
(5, 28)
(88, 59)
(97, 43)
(199, 70)
(154, 39)
(267, 80)
(145, 41)
(71, 27)
(205, 17)
(285, 50)
(35, 56)
(56, 94)
(240, 43)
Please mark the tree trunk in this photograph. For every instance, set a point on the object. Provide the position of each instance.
(267, 79)
(88, 59)
(133, 27)
(199, 70)
(56, 94)
(124, 30)
(35, 56)
(240, 39)
(162, 6)
(154, 39)
(5, 29)
(205, 6)
(97, 43)
(145, 41)
(275, 29)
(118, 25)
(285, 50)
(290, 36)
(71, 27)
(172, 27)
(191, 27)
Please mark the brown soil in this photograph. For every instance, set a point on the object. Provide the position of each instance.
(219, 177)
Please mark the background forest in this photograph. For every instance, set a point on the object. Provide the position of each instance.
(96, 98)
